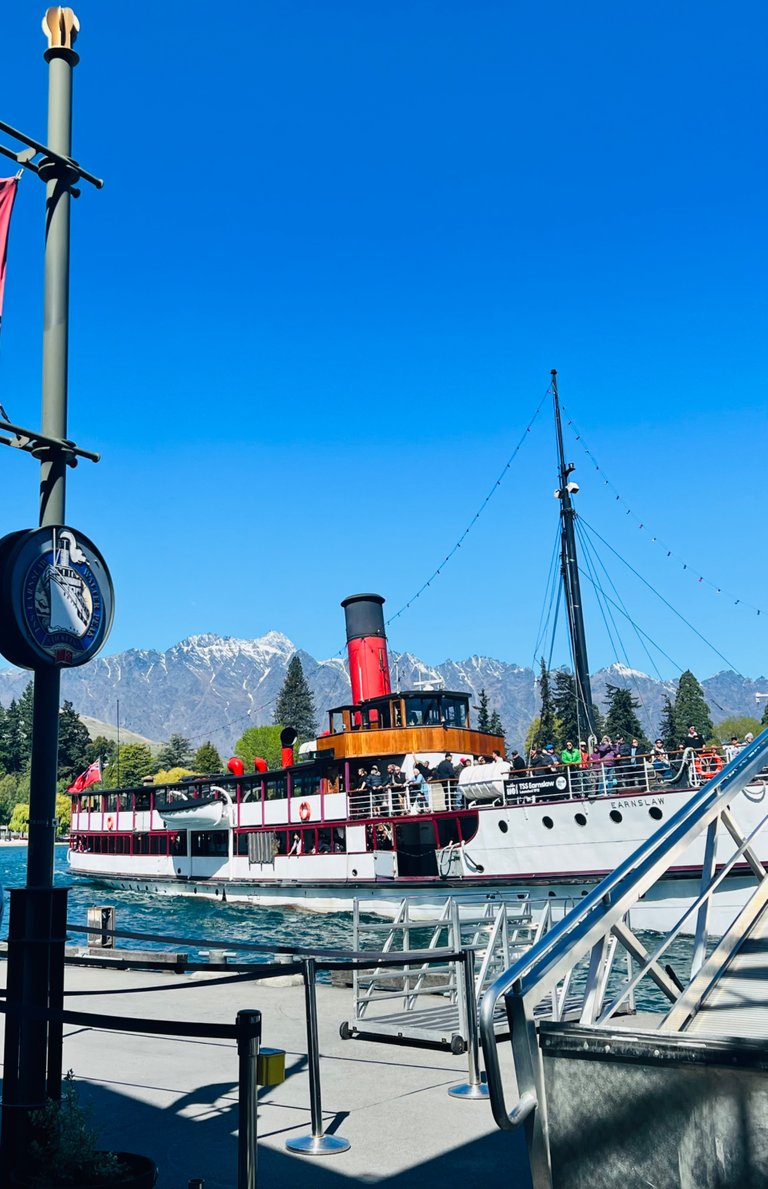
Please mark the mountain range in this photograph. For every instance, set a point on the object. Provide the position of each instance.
(215, 687)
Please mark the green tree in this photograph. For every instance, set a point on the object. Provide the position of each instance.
(171, 775)
(12, 790)
(566, 708)
(495, 726)
(63, 812)
(16, 733)
(691, 709)
(621, 718)
(260, 741)
(295, 706)
(533, 736)
(667, 728)
(483, 716)
(19, 823)
(547, 723)
(764, 719)
(74, 743)
(102, 748)
(176, 753)
(207, 759)
(738, 725)
(129, 766)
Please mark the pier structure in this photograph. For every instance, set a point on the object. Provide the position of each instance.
(675, 1096)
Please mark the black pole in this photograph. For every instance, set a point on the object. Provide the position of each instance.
(36, 961)
(570, 574)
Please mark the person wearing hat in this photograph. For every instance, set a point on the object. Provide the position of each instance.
(518, 763)
(550, 757)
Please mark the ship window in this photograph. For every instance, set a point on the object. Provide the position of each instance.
(656, 813)
(143, 801)
(580, 819)
(110, 803)
(304, 784)
(503, 827)
(616, 816)
(178, 843)
(455, 712)
(274, 787)
(337, 722)
(209, 842)
(422, 712)
(547, 821)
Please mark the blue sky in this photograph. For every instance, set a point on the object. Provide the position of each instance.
(339, 248)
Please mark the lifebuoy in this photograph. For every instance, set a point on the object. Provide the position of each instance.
(110, 823)
(708, 764)
(304, 811)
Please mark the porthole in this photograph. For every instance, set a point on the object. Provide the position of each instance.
(656, 813)
(580, 819)
(551, 893)
(503, 827)
(616, 816)
(547, 821)
(354, 870)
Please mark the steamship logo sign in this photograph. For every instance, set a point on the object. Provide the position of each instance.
(59, 593)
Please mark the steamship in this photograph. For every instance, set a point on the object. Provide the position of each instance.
(351, 817)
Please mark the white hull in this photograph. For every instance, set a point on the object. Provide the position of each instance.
(535, 850)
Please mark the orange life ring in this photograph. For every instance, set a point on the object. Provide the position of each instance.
(110, 823)
(708, 764)
(304, 811)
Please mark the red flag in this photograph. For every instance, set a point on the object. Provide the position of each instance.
(91, 776)
(8, 188)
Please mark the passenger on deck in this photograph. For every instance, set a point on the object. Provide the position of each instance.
(496, 756)
(693, 739)
(445, 769)
(583, 755)
(375, 785)
(362, 778)
(419, 790)
(550, 758)
(537, 761)
(518, 763)
(396, 782)
(570, 754)
(659, 758)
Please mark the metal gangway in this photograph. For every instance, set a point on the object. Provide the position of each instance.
(674, 1094)
(425, 1002)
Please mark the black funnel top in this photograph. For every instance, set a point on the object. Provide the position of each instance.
(364, 616)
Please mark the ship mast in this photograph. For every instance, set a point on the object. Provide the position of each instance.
(570, 574)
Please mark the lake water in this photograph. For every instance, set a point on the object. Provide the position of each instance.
(219, 924)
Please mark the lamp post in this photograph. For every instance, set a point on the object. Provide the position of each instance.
(53, 563)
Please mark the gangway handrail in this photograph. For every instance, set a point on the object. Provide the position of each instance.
(538, 971)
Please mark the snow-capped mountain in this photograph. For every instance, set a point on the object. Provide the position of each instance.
(214, 687)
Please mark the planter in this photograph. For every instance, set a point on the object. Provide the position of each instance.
(141, 1173)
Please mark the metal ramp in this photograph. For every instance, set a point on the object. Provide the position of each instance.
(677, 1094)
(424, 1002)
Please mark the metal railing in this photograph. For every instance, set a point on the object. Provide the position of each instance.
(587, 938)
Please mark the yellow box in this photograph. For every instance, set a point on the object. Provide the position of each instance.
(270, 1067)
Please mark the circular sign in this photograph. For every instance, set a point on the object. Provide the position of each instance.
(561, 783)
(56, 598)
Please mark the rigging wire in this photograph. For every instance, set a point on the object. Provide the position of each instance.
(476, 516)
(593, 559)
(549, 594)
(589, 548)
(660, 596)
(655, 540)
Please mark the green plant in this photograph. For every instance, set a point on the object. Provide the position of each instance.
(64, 1145)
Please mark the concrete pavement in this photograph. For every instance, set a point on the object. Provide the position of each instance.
(175, 1099)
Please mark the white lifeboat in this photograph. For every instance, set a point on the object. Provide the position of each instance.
(185, 811)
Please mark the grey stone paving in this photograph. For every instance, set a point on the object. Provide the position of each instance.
(176, 1099)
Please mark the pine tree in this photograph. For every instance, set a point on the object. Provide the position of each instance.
(207, 759)
(621, 718)
(691, 709)
(483, 717)
(295, 706)
(565, 706)
(24, 726)
(74, 743)
(175, 753)
(547, 722)
(495, 725)
(764, 719)
(667, 728)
